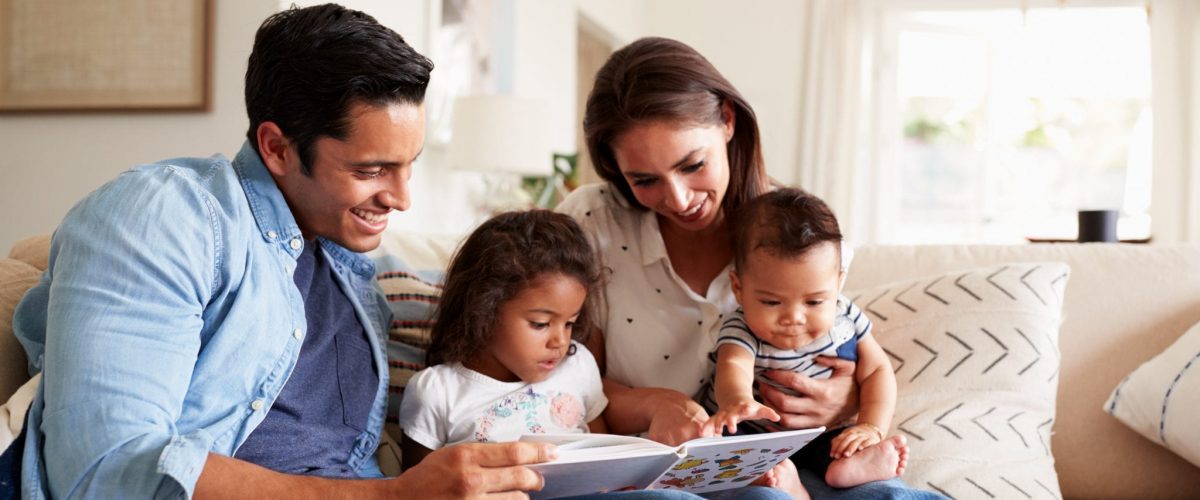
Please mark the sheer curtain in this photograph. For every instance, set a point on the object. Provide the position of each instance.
(1175, 59)
(828, 160)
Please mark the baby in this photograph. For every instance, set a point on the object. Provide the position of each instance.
(787, 278)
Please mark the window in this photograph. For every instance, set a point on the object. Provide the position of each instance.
(1000, 125)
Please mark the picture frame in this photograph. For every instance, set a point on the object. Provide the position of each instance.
(110, 55)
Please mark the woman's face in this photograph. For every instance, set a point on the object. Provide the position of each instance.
(681, 172)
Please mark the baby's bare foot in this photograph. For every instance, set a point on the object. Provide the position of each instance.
(883, 460)
(787, 479)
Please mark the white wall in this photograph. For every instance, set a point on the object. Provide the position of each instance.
(48, 162)
(756, 45)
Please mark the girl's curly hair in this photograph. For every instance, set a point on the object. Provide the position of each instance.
(498, 260)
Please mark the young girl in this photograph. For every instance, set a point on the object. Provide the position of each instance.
(504, 360)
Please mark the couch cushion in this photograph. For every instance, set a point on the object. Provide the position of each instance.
(16, 278)
(975, 354)
(1161, 398)
(1124, 304)
(34, 250)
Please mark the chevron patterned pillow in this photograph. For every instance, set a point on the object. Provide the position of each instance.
(976, 358)
(1160, 399)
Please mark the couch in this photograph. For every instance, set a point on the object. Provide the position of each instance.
(1121, 305)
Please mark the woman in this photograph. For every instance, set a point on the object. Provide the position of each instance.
(679, 148)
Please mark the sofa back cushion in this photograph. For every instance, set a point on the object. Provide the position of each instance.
(975, 353)
(1124, 304)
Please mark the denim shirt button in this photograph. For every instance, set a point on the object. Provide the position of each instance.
(257, 405)
(297, 333)
(296, 244)
(272, 234)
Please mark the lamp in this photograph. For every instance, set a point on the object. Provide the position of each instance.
(504, 137)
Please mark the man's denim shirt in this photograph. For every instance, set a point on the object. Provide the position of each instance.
(167, 323)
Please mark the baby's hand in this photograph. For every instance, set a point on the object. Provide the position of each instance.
(728, 417)
(854, 438)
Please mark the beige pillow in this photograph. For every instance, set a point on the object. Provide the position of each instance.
(976, 358)
(16, 278)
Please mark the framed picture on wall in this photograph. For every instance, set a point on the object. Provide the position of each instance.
(110, 55)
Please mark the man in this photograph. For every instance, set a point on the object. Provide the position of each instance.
(209, 328)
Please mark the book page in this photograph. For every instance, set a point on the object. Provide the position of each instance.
(718, 463)
(587, 447)
(601, 476)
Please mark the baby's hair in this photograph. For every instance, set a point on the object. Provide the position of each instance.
(787, 223)
(502, 257)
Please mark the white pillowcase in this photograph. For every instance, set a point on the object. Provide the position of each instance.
(1161, 398)
(976, 358)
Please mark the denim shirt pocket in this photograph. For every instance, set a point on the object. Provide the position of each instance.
(355, 365)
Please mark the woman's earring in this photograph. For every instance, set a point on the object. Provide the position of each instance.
(571, 350)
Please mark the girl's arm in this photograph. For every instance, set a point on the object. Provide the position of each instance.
(412, 452)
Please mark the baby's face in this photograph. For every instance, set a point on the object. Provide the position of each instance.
(790, 302)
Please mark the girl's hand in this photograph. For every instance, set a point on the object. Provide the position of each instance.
(677, 421)
(729, 416)
(853, 439)
(821, 402)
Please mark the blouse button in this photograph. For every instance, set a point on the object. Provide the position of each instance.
(296, 244)
(257, 404)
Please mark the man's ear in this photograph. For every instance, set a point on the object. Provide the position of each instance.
(274, 148)
(736, 286)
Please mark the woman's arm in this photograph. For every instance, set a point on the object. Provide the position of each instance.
(822, 402)
(670, 416)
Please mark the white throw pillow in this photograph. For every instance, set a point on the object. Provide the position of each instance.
(1161, 398)
(976, 358)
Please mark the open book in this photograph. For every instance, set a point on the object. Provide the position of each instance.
(596, 463)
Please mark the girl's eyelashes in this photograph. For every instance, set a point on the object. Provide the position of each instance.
(693, 167)
(538, 325)
(767, 302)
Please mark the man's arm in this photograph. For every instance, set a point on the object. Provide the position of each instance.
(462, 471)
(123, 315)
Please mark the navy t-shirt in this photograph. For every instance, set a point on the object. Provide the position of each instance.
(319, 414)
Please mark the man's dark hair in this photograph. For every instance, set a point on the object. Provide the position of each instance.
(501, 258)
(309, 65)
(787, 223)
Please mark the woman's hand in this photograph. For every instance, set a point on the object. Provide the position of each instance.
(677, 420)
(821, 402)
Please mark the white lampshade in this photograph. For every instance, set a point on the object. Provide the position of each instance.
(497, 133)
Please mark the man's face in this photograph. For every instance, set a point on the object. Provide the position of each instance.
(355, 183)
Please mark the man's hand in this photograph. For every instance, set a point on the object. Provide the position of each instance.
(677, 421)
(821, 402)
(477, 470)
(728, 418)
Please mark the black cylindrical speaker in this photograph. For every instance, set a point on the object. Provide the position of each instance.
(1098, 225)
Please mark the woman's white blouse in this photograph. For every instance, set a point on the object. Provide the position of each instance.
(657, 331)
